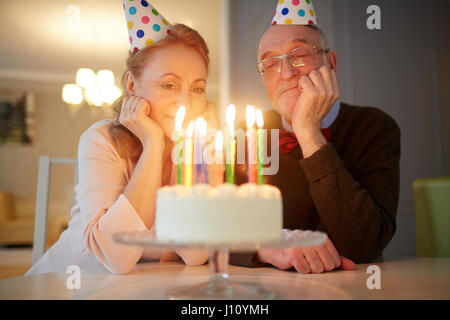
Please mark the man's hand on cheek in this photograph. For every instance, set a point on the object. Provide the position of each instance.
(319, 91)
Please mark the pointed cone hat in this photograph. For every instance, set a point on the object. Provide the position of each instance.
(145, 24)
(299, 12)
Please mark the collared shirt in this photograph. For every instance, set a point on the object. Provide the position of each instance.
(326, 121)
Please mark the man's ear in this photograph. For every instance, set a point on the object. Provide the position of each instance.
(131, 84)
(332, 60)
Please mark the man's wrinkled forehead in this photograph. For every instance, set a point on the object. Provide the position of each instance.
(280, 38)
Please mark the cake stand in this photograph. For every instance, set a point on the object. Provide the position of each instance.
(220, 286)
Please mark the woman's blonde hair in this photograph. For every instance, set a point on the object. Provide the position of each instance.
(126, 143)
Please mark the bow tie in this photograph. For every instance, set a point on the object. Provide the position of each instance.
(288, 141)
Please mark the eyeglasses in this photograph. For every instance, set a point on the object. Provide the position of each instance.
(298, 57)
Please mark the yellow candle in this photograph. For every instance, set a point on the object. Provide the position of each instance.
(188, 148)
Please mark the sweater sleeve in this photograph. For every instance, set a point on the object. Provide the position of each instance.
(246, 259)
(358, 209)
(104, 208)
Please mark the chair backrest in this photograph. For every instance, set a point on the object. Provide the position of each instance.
(42, 192)
(432, 204)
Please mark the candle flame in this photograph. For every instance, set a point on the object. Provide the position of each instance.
(198, 122)
(203, 128)
(250, 116)
(231, 128)
(259, 118)
(179, 117)
(190, 129)
(230, 114)
(200, 125)
(219, 141)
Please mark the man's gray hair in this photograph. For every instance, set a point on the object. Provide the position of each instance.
(323, 38)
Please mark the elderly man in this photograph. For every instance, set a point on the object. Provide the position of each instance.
(339, 164)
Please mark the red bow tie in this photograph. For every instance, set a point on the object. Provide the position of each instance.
(288, 141)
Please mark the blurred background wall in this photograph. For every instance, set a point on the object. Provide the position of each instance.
(42, 44)
(402, 69)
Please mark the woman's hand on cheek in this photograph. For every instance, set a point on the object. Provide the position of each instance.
(135, 116)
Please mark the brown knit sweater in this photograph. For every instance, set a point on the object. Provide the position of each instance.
(348, 189)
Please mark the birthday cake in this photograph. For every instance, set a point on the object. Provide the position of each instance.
(226, 213)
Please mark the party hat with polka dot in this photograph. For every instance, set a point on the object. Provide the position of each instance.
(299, 12)
(144, 23)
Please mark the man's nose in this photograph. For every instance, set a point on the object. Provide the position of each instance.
(288, 71)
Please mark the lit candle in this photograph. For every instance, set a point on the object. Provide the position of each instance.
(179, 117)
(203, 129)
(230, 144)
(188, 146)
(218, 153)
(261, 145)
(199, 137)
(251, 145)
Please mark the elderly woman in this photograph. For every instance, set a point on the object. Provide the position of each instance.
(123, 161)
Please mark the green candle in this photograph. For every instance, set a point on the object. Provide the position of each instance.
(231, 177)
(179, 117)
(230, 144)
(230, 158)
(261, 146)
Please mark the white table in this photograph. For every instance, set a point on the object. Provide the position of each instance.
(401, 278)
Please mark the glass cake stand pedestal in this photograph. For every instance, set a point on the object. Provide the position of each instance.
(220, 286)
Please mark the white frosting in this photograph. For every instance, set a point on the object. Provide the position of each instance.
(224, 213)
